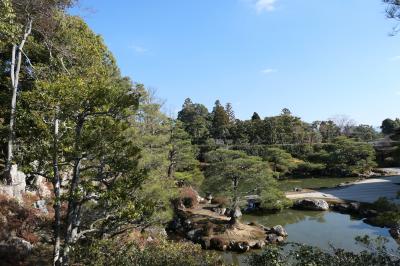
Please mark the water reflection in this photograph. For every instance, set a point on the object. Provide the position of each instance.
(320, 229)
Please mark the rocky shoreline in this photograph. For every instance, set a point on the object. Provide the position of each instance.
(213, 231)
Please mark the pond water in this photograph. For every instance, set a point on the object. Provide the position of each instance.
(320, 229)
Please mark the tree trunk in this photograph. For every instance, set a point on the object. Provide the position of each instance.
(73, 206)
(16, 61)
(57, 204)
(233, 221)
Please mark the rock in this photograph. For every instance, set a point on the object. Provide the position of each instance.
(16, 248)
(42, 188)
(236, 213)
(241, 247)
(41, 205)
(395, 232)
(205, 243)
(209, 197)
(155, 231)
(312, 204)
(297, 189)
(354, 207)
(341, 207)
(194, 234)
(274, 239)
(17, 185)
(259, 245)
(218, 244)
(220, 211)
(266, 229)
(279, 230)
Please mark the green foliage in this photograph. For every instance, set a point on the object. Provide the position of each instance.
(220, 122)
(235, 174)
(389, 126)
(159, 253)
(294, 254)
(280, 161)
(274, 199)
(196, 121)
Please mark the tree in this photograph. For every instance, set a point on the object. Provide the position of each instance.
(92, 103)
(281, 161)
(183, 165)
(365, 133)
(220, 122)
(196, 120)
(29, 16)
(393, 12)
(255, 116)
(388, 126)
(230, 112)
(236, 174)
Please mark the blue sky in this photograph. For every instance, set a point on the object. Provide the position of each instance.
(317, 58)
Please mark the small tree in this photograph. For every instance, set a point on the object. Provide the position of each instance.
(236, 174)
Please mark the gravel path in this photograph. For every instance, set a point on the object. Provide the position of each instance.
(368, 190)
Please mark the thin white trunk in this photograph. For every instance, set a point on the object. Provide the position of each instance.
(16, 61)
(57, 187)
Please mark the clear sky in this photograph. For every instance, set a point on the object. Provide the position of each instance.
(317, 58)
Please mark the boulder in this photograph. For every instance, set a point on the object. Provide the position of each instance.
(194, 234)
(17, 184)
(279, 231)
(16, 248)
(235, 213)
(240, 247)
(41, 206)
(218, 244)
(155, 231)
(220, 211)
(312, 204)
(258, 245)
(395, 232)
(42, 188)
(274, 239)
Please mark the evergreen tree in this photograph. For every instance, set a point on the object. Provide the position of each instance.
(255, 116)
(220, 122)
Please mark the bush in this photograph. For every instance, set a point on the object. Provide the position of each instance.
(189, 197)
(274, 199)
(158, 253)
(296, 254)
(222, 202)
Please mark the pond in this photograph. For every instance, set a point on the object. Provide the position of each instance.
(320, 229)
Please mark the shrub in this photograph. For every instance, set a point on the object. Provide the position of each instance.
(189, 197)
(222, 202)
(163, 252)
(274, 199)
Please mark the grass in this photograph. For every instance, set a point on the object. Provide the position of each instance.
(313, 183)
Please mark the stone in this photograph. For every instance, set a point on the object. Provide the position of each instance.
(155, 231)
(220, 211)
(194, 234)
(42, 188)
(279, 231)
(312, 204)
(236, 213)
(241, 247)
(395, 232)
(354, 207)
(16, 248)
(17, 185)
(41, 205)
(218, 244)
(259, 245)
